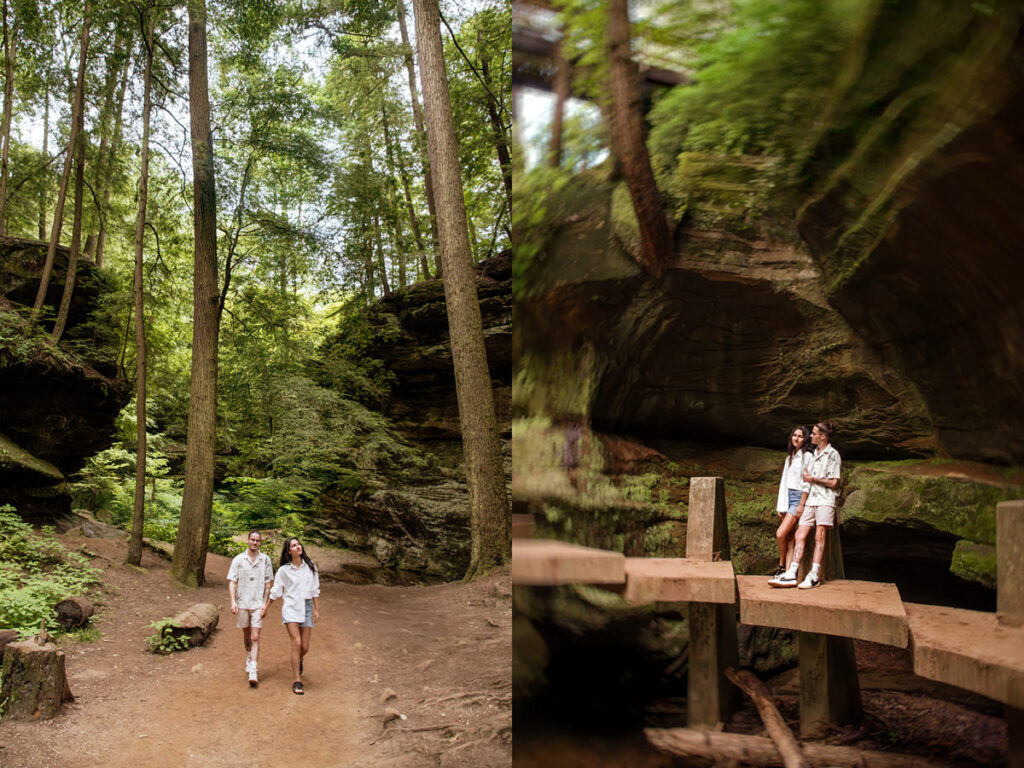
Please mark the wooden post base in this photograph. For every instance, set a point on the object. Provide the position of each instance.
(829, 688)
(710, 697)
(34, 685)
(1015, 736)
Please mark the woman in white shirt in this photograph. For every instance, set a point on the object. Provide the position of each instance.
(298, 582)
(790, 503)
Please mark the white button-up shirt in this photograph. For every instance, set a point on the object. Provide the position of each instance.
(824, 464)
(296, 585)
(252, 577)
(792, 478)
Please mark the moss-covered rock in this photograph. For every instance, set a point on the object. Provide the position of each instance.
(956, 505)
(974, 562)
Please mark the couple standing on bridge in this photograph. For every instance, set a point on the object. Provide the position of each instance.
(297, 581)
(807, 498)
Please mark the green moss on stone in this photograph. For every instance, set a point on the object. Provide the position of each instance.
(974, 562)
(962, 507)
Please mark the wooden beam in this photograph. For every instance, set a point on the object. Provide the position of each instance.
(757, 750)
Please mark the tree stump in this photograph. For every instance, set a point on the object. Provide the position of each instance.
(195, 623)
(74, 611)
(34, 685)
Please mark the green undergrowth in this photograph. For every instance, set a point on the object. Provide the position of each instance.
(163, 641)
(36, 573)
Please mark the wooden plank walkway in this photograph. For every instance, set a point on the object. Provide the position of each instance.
(863, 610)
(679, 580)
(969, 649)
(543, 562)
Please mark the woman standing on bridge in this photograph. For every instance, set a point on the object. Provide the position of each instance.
(298, 582)
(821, 477)
(790, 503)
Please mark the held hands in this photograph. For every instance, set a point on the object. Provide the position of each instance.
(808, 477)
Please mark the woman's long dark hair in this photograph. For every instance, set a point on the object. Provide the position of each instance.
(286, 556)
(790, 448)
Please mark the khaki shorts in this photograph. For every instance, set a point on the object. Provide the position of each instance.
(248, 618)
(823, 516)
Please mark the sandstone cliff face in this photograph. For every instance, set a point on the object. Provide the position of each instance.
(885, 296)
(917, 224)
(735, 344)
(58, 404)
(417, 526)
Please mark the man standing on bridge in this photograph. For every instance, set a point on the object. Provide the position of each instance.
(820, 491)
(249, 580)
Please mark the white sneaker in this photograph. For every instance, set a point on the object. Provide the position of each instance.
(810, 581)
(253, 681)
(785, 580)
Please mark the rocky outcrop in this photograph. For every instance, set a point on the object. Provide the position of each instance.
(410, 337)
(916, 220)
(59, 402)
(735, 344)
(416, 523)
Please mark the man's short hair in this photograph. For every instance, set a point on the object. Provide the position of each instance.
(252, 532)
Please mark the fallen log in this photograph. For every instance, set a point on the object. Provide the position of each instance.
(34, 684)
(195, 623)
(757, 750)
(774, 725)
(74, 611)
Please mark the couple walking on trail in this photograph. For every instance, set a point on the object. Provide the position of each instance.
(297, 581)
(807, 499)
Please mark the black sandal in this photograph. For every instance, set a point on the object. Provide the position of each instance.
(297, 688)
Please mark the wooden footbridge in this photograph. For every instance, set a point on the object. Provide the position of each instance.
(974, 650)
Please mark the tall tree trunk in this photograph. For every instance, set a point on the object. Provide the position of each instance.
(381, 265)
(497, 126)
(192, 540)
(107, 170)
(656, 245)
(43, 187)
(109, 88)
(58, 211)
(561, 88)
(369, 285)
(134, 556)
(484, 473)
(421, 133)
(76, 236)
(393, 216)
(394, 159)
(10, 47)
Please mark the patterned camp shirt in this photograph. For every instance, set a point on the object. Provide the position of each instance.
(825, 464)
(252, 577)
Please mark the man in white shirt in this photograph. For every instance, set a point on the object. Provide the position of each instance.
(249, 580)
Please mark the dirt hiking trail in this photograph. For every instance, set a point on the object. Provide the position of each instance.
(402, 676)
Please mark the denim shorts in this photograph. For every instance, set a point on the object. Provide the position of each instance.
(794, 501)
(309, 615)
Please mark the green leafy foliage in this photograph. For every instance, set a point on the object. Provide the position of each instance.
(162, 641)
(36, 573)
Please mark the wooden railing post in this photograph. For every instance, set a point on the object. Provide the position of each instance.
(1010, 602)
(710, 697)
(829, 687)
